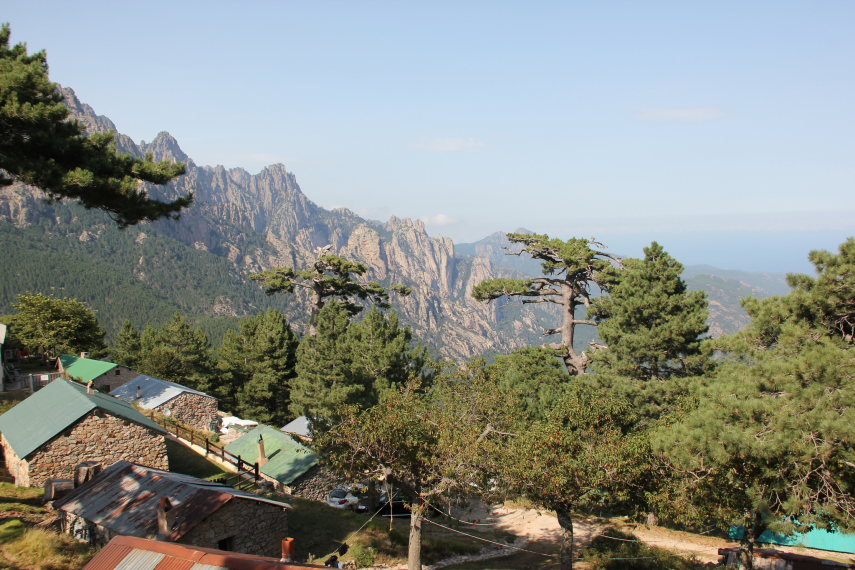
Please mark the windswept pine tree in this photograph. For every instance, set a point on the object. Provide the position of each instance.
(331, 276)
(572, 271)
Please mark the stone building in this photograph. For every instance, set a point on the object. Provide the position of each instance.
(105, 376)
(63, 425)
(188, 406)
(287, 463)
(132, 500)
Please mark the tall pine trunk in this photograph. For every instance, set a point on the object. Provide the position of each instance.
(414, 551)
(752, 533)
(565, 521)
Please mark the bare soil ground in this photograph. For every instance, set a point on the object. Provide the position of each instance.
(539, 530)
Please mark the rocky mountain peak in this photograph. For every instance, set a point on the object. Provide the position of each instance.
(165, 147)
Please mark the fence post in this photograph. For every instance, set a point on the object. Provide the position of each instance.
(256, 471)
(206, 447)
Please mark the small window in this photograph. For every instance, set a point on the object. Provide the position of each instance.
(227, 543)
(118, 371)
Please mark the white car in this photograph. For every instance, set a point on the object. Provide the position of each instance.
(342, 498)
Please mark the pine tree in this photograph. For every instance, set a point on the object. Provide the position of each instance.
(769, 443)
(382, 355)
(41, 147)
(126, 348)
(255, 368)
(331, 276)
(652, 325)
(177, 352)
(572, 269)
(324, 383)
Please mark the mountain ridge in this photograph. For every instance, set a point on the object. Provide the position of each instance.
(244, 223)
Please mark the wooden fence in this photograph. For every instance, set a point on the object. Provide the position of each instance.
(245, 469)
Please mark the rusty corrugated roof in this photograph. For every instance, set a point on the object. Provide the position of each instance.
(124, 499)
(131, 553)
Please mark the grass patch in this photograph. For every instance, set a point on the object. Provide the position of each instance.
(23, 547)
(11, 530)
(187, 462)
(38, 549)
(9, 400)
(29, 495)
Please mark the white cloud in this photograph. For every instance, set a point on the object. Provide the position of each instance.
(449, 145)
(680, 114)
(438, 220)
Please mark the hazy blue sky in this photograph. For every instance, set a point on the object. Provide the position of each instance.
(723, 129)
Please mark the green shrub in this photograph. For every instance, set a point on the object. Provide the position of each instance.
(11, 530)
(363, 555)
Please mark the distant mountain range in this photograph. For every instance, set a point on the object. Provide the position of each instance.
(242, 223)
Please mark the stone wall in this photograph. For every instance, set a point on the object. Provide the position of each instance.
(119, 376)
(315, 484)
(253, 527)
(192, 409)
(13, 462)
(99, 436)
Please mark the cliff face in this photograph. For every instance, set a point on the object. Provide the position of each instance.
(264, 220)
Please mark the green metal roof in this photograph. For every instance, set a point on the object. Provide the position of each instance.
(51, 410)
(85, 369)
(287, 459)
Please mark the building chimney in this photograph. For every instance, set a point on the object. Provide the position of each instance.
(86, 471)
(287, 550)
(84, 355)
(139, 392)
(165, 518)
(89, 386)
(262, 458)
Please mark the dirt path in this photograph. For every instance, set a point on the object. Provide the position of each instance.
(531, 525)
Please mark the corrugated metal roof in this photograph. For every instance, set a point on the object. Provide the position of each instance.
(85, 369)
(287, 458)
(298, 426)
(126, 553)
(153, 391)
(60, 404)
(125, 496)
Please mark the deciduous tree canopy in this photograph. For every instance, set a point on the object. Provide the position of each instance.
(56, 325)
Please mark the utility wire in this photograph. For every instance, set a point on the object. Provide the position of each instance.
(487, 540)
(532, 551)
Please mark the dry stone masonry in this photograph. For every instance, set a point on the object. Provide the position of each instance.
(100, 436)
(192, 409)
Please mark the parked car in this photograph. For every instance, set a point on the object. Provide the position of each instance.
(342, 498)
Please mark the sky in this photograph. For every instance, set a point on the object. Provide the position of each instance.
(725, 130)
